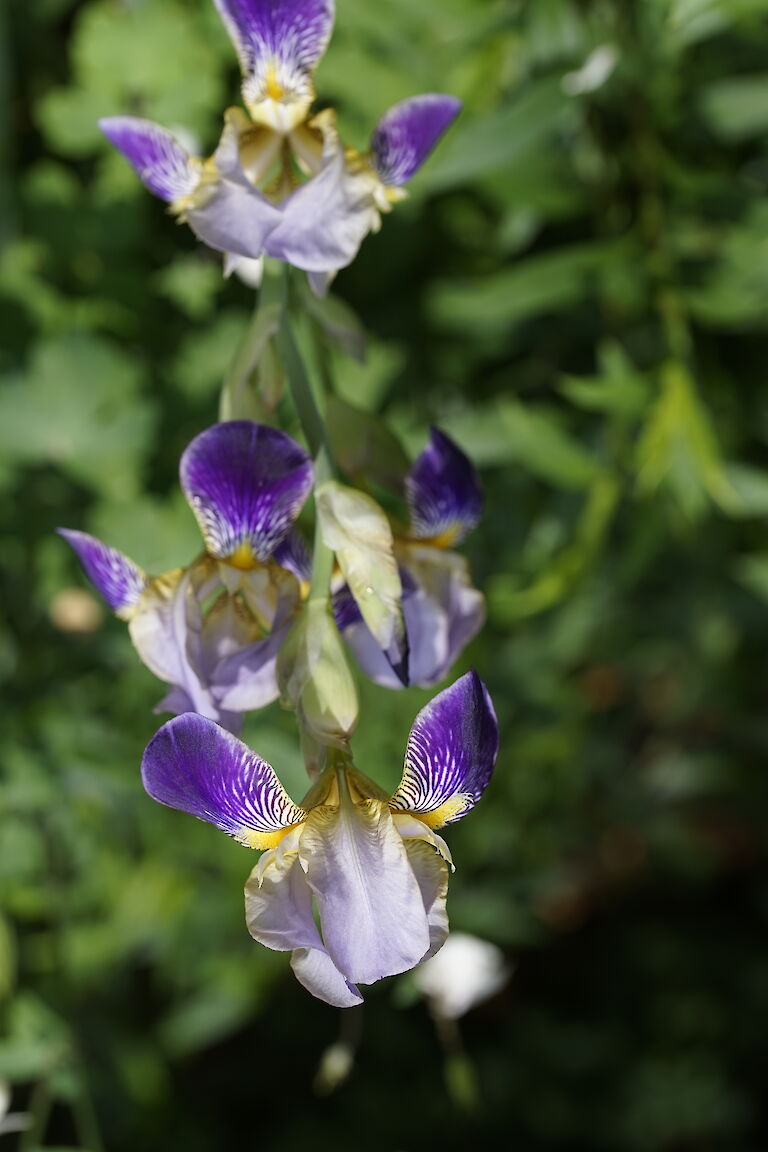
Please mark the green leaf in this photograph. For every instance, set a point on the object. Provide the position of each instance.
(364, 446)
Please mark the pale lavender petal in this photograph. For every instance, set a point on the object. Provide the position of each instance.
(314, 969)
(442, 612)
(431, 873)
(194, 765)
(246, 484)
(293, 553)
(287, 36)
(408, 132)
(327, 218)
(451, 753)
(443, 491)
(371, 910)
(117, 578)
(162, 163)
(229, 214)
(278, 912)
(247, 680)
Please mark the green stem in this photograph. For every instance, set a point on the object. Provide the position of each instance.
(237, 398)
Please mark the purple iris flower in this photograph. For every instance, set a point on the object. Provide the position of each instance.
(441, 608)
(372, 866)
(212, 630)
(280, 181)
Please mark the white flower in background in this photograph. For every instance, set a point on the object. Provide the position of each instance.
(466, 971)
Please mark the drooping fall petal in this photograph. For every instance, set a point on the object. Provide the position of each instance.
(194, 765)
(117, 578)
(443, 492)
(161, 162)
(408, 132)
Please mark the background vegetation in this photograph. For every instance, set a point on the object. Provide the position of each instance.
(577, 291)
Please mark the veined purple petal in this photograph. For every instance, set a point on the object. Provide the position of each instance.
(450, 755)
(408, 132)
(161, 162)
(246, 484)
(194, 765)
(275, 39)
(117, 578)
(443, 492)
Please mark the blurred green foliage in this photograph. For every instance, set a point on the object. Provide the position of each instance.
(577, 290)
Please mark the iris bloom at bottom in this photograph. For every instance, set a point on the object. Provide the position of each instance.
(373, 866)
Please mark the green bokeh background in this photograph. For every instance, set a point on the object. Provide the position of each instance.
(577, 290)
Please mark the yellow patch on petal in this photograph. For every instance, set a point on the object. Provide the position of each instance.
(451, 808)
(251, 839)
(272, 86)
(243, 557)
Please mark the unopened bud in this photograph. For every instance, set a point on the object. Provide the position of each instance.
(314, 676)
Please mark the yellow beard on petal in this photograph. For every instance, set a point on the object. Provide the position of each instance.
(243, 557)
(451, 808)
(251, 839)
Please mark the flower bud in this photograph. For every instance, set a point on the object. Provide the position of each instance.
(315, 679)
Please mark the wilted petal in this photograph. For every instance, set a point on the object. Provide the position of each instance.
(370, 904)
(443, 492)
(358, 531)
(246, 483)
(408, 132)
(227, 212)
(278, 43)
(117, 578)
(162, 163)
(325, 220)
(194, 765)
(431, 873)
(450, 755)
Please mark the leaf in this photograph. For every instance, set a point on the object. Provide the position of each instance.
(96, 427)
(620, 389)
(364, 446)
(678, 449)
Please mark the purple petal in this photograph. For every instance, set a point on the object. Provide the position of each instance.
(195, 766)
(450, 755)
(443, 492)
(246, 483)
(161, 162)
(117, 578)
(286, 36)
(293, 553)
(408, 132)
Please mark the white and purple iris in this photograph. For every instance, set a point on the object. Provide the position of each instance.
(441, 608)
(371, 866)
(212, 630)
(281, 183)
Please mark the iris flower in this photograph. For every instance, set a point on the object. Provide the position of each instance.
(441, 608)
(373, 866)
(212, 630)
(280, 181)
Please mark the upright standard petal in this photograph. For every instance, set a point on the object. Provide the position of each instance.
(278, 43)
(372, 912)
(443, 492)
(450, 754)
(246, 483)
(194, 765)
(117, 578)
(162, 164)
(408, 132)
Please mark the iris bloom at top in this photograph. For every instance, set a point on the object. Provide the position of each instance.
(441, 608)
(281, 182)
(373, 866)
(212, 630)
